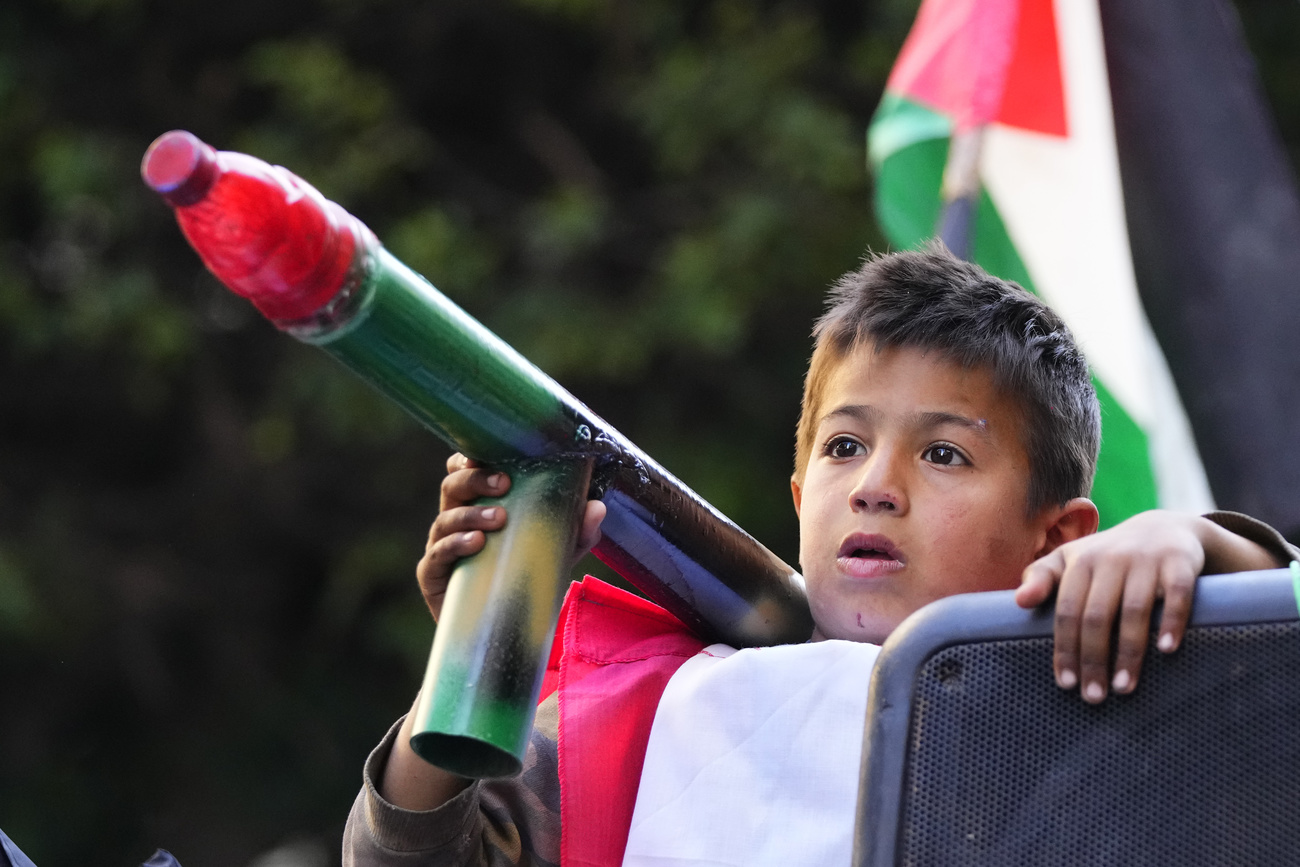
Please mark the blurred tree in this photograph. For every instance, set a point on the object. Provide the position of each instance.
(208, 531)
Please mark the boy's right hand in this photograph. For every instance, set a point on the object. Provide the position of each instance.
(1115, 577)
(460, 528)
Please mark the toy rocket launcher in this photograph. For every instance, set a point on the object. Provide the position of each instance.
(319, 274)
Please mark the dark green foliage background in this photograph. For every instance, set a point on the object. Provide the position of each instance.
(207, 531)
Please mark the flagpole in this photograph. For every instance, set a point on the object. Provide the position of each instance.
(960, 192)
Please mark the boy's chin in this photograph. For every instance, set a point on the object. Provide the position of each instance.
(862, 631)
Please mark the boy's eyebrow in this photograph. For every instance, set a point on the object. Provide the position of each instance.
(922, 419)
(857, 412)
(936, 418)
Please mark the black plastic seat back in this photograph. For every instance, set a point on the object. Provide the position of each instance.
(974, 757)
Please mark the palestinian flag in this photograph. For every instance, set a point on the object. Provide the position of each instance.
(996, 132)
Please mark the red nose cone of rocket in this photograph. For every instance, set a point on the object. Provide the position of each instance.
(263, 231)
(180, 168)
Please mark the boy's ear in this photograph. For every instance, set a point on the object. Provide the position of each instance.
(1074, 520)
(796, 493)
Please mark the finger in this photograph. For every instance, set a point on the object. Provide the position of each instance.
(1038, 581)
(441, 556)
(1071, 596)
(462, 518)
(1104, 596)
(455, 535)
(1179, 584)
(471, 483)
(1134, 625)
(435, 567)
(457, 461)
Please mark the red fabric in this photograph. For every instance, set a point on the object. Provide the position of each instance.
(985, 61)
(613, 657)
(1035, 94)
(551, 679)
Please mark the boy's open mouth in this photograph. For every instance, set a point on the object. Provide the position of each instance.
(864, 555)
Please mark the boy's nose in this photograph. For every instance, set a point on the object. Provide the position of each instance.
(879, 488)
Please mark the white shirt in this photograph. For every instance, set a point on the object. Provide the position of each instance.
(754, 759)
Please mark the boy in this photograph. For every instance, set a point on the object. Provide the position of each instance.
(947, 442)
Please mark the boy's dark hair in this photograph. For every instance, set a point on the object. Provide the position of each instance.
(930, 299)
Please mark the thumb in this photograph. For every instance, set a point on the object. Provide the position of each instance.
(589, 532)
(1039, 580)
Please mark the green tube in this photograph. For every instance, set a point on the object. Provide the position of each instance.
(392, 328)
(479, 697)
(395, 330)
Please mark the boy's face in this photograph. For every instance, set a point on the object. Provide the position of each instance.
(915, 489)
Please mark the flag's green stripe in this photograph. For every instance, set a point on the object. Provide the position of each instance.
(907, 204)
(899, 124)
(907, 146)
(1126, 482)
(992, 247)
(907, 207)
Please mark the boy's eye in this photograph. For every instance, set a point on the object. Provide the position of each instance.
(843, 447)
(943, 455)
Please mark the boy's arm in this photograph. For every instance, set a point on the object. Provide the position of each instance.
(497, 822)
(1120, 572)
(1256, 531)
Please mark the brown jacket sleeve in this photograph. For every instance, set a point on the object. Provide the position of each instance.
(501, 823)
(1259, 532)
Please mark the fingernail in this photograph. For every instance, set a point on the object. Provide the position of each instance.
(1166, 643)
(489, 514)
(467, 536)
(496, 480)
(1121, 681)
(1094, 691)
(1067, 679)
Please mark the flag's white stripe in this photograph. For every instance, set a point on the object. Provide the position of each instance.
(1070, 232)
(1061, 201)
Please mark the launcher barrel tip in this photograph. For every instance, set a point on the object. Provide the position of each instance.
(179, 167)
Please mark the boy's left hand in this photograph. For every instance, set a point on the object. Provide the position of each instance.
(1120, 572)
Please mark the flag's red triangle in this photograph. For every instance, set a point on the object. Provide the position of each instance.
(1034, 98)
(985, 61)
